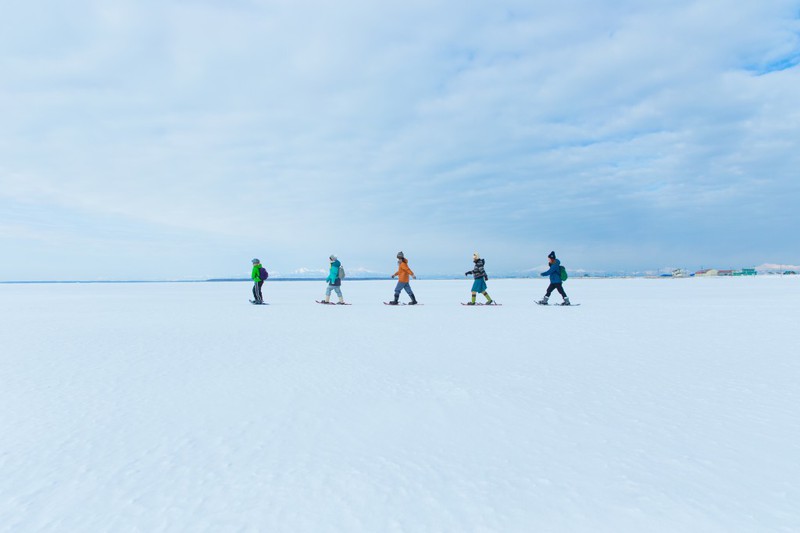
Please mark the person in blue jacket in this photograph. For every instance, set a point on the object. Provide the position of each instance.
(334, 281)
(555, 280)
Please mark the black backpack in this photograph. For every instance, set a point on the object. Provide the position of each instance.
(262, 273)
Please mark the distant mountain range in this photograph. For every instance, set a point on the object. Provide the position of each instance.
(308, 274)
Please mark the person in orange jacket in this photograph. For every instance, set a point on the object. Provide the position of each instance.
(403, 272)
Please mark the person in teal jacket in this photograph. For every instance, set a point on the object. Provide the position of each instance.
(334, 281)
(256, 276)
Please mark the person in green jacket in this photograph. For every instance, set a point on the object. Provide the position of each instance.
(258, 275)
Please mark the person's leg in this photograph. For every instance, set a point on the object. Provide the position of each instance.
(410, 293)
(480, 286)
(562, 293)
(260, 294)
(339, 293)
(328, 294)
(550, 289)
(476, 288)
(397, 289)
(255, 292)
(486, 294)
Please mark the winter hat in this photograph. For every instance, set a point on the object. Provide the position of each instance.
(333, 257)
(476, 256)
(400, 255)
(551, 255)
(256, 261)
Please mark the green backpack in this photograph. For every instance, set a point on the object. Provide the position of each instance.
(563, 272)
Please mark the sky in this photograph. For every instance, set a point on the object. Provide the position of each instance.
(178, 140)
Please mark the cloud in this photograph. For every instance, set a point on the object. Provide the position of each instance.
(623, 133)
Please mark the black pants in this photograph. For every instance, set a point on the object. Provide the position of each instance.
(557, 286)
(257, 291)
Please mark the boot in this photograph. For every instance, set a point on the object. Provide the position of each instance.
(395, 301)
(327, 298)
(341, 300)
(566, 301)
(543, 301)
(413, 300)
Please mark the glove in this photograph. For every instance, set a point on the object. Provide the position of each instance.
(486, 278)
(468, 273)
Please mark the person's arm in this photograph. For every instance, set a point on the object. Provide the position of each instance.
(254, 274)
(408, 269)
(550, 270)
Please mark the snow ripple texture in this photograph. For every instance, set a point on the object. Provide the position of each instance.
(658, 405)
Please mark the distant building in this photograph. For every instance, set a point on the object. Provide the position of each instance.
(790, 273)
(725, 273)
(745, 272)
(707, 272)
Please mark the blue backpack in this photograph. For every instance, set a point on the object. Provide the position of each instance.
(262, 273)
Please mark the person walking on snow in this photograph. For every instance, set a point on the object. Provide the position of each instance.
(479, 285)
(402, 274)
(555, 280)
(334, 281)
(258, 275)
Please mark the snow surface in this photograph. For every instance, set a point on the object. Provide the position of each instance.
(658, 405)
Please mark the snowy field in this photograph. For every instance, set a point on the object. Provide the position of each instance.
(658, 405)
